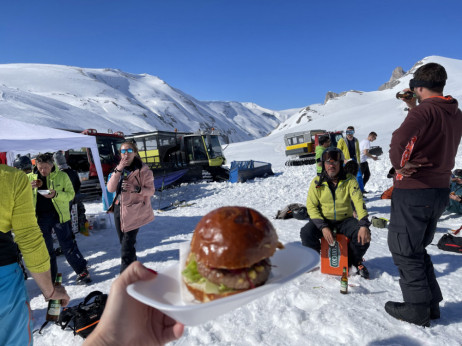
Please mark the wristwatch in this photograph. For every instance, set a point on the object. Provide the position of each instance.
(116, 170)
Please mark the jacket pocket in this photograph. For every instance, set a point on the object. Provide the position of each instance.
(136, 215)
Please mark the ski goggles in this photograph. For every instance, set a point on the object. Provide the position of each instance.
(124, 151)
(350, 132)
(333, 155)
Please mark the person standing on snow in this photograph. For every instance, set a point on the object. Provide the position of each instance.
(17, 217)
(422, 151)
(329, 205)
(133, 183)
(350, 149)
(52, 210)
(364, 147)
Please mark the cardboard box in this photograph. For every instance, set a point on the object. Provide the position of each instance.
(334, 258)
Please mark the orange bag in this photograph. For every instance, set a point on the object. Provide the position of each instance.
(333, 259)
(387, 193)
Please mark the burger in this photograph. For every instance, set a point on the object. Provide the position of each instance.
(229, 253)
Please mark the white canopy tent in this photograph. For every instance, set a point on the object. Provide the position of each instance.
(17, 137)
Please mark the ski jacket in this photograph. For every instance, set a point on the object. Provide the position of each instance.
(135, 207)
(323, 205)
(343, 146)
(18, 215)
(430, 134)
(318, 153)
(59, 181)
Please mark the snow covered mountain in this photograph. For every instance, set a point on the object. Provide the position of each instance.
(79, 98)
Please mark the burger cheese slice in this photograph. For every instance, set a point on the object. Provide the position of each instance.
(229, 253)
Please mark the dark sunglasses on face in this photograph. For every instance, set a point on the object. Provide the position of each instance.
(124, 151)
(350, 132)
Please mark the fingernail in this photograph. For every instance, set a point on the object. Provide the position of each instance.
(152, 270)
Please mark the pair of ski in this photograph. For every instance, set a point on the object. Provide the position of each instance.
(176, 204)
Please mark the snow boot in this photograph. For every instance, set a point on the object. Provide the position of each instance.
(413, 313)
(83, 278)
(362, 271)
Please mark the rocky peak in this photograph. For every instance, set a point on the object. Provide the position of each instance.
(396, 74)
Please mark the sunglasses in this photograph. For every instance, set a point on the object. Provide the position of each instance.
(331, 156)
(350, 132)
(124, 151)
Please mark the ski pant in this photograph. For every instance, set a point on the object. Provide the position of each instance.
(414, 214)
(127, 241)
(47, 223)
(366, 173)
(15, 313)
(311, 235)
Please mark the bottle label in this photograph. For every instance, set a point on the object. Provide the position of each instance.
(54, 308)
(334, 255)
(343, 286)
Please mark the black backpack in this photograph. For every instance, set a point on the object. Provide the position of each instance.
(450, 243)
(83, 318)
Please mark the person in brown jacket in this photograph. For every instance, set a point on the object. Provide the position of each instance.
(133, 183)
(422, 151)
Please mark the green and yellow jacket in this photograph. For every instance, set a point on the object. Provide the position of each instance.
(325, 205)
(343, 146)
(59, 181)
(17, 214)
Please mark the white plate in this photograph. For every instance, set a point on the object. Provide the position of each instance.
(166, 292)
(44, 192)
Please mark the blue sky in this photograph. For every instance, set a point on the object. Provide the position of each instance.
(277, 53)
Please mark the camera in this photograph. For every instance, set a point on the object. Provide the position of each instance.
(405, 95)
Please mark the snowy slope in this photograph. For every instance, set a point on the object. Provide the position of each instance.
(309, 310)
(79, 98)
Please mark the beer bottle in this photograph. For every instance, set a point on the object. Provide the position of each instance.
(54, 306)
(344, 282)
(406, 95)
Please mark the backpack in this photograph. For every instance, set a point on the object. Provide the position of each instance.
(83, 318)
(294, 210)
(450, 243)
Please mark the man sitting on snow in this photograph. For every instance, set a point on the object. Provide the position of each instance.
(455, 197)
(329, 204)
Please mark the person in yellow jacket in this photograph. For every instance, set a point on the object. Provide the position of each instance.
(350, 146)
(351, 151)
(329, 205)
(52, 191)
(17, 217)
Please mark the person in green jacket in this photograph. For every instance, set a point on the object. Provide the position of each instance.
(19, 229)
(324, 143)
(52, 191)
(329, 205)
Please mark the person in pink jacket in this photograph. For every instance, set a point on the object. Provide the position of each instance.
(133, 183)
